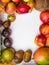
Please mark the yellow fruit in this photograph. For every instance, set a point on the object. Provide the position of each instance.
(26, 0)
(48, 40)
(31, 5)
(11, 18)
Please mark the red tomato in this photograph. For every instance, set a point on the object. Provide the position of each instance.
(40, 40)
(44, 29)
(44, 16)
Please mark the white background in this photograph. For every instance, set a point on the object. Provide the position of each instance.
(24, 30)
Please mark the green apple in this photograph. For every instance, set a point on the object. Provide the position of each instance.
(7, 55)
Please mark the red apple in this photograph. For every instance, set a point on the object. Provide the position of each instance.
(40, 40)
(44, 16)
(22, 8)
(10, 8)
(17, 1)
(44, 29)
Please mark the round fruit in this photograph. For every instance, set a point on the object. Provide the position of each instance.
(10, 8)
(44, 29)
(6, 24)
(11, 18)
(19, 56)
(16, 1)
(40, 40)
(26, 0)
(8, 42)
(5, 1)
(7, 55)
(44, 16)
(6, 32)
(47, 41)
(22, 8)
(27, 56)
(41, 56)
